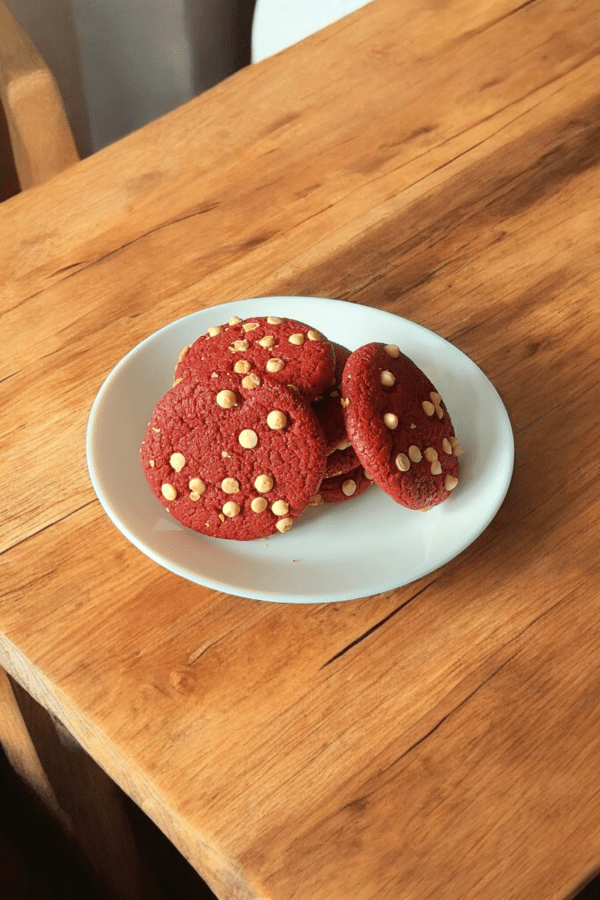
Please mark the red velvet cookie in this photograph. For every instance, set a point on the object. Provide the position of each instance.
(341, 460)
(342, 487)
(331, 418)
(399, 426)
(287, 351)
(327, 405)
(341, 354)
(233, 462)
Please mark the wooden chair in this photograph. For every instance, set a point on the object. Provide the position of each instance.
(36, 143)
(40, 138)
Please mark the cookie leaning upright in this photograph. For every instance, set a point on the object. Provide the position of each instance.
(399, 426)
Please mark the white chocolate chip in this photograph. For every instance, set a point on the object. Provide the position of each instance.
(248, 438)
(436, 467)
(194, 496)
(431, 454)
(177, 461)
(450, 482)
(402, 462)
(225, 454)
(239, 346)
(344, 401)
(214, 330)
(157, 430)
(280, 507)
(297, 339)
(250, 326)
(428, 407)
(313, 335)
(414, 453)
(343, 444)
(284, 525)
(177, 381)
(367, 476)
(230, 486)
(294, 387)
(458, 449)
(196, 486)
(226, 399)
(447, 446)
(317, 500)
(251, 381)
(151, 463)
(242, 367)
(274, 320)
(267, 341)
(258, 505)
(386, 378)
(235, 320)
(436, 400)
(390, 421)
(392, 350)
(231, 509)
(263, 484)
(276, 420)
(274, 364)
(348, 487)
(168, 492)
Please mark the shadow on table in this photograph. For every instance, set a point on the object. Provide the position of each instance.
(38, 861)
(590, 892)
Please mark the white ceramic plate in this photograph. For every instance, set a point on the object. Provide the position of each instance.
(336, 551)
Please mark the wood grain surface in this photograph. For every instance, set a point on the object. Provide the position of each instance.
(436, 160)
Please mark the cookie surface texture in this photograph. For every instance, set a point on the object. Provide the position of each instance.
(285, 350)
(340, 488)
(233, 462)
(341, 461)
(399, 426)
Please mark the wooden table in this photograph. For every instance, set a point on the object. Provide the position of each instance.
(436, 160)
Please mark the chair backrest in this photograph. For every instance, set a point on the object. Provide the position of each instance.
(9, 183)
(41, 140)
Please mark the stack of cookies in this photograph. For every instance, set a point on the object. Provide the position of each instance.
(267, 417)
